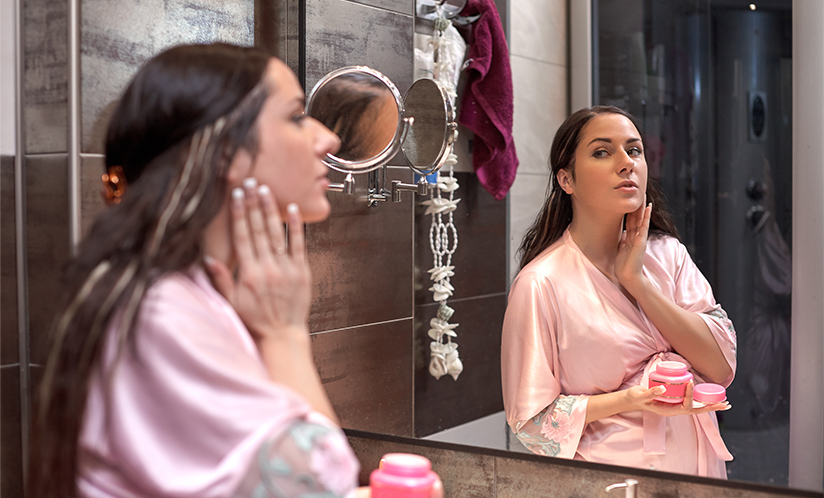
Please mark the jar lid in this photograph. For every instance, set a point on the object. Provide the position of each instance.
(709, 393)
(405, 464)
(671, 368)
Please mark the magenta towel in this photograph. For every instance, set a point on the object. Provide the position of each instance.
(486, 108)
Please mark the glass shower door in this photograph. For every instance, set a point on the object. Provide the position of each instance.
(710, 83)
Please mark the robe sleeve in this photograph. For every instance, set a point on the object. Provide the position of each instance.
(188, 410)
(544, 419)
(693, 293)
(311, 458)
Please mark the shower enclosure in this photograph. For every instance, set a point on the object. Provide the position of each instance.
(710, 83)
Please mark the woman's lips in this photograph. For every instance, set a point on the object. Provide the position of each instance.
(627, 187)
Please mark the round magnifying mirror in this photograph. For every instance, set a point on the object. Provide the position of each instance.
(364, 108)
(431, 126)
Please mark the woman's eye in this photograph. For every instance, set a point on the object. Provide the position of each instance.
(297, 118)
(600, 153)
(635, 151)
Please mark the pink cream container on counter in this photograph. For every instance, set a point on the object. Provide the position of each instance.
(674, 376)
(402, 475)
(707, 394)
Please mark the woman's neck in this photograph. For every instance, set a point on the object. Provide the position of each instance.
(598, 238)
(217, 239)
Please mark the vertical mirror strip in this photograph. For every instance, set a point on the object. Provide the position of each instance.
(74, 125)
(20, 240)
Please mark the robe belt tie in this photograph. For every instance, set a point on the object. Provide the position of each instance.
(655, 426)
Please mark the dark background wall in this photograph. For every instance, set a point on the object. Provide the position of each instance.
(371, 304)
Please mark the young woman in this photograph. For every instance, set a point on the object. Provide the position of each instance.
(181, 362)
(606, 292)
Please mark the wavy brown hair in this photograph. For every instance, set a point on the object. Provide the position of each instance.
(175, 131)
(556, 214)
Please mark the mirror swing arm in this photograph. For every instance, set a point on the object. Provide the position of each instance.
(362, 106)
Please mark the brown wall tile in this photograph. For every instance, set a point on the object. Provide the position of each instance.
(8, 265)
(361, 259)
(117, 38)
(45, 92)
(480, 258)
(367, 372)
(47, 233)
(444, 403)
(11, 453)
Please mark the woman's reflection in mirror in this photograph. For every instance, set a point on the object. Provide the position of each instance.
(606, 291)
(361, 109)
(181, 362)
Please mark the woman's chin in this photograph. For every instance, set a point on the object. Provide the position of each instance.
(318, 212)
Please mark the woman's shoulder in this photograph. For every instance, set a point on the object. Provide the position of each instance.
(183, 299)
(180, 288)
(554, 262)
(665, 247)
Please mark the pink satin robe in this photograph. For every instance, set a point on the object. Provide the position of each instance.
(195, 414)
(569, 332)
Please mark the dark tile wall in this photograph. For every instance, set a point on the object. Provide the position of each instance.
(11, 477)
(361, 259)
(47, 244)
(367, 372)
(9, 354)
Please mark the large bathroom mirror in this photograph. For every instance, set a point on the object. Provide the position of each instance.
(366, 110)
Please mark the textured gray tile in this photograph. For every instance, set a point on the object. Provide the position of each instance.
(45, 75)
(528, 478)
(11, 455)
(118, 37)
(8, 265)
(361, 259)
(367, 373)
(480, 257)
(91, 188)
(342, 33)
(47, 232)
(464, 474)
(444, 403)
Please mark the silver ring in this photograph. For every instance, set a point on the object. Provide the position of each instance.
(280, 251)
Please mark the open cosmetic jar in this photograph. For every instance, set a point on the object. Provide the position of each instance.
(674, 376)
(707, 394)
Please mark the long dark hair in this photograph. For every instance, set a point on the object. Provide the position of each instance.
(174, 132)
(556, 214)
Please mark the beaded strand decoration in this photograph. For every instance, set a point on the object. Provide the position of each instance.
(443, 237)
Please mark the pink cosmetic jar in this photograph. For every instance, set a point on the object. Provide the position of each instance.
(674, 376)
(402, 475)
(707, 394)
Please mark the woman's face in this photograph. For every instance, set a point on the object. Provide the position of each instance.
(610, 169)
(291, 147)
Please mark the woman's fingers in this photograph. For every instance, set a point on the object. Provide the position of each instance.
(257, 225)
(240, 229)
(274, 224)
(296, 238)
